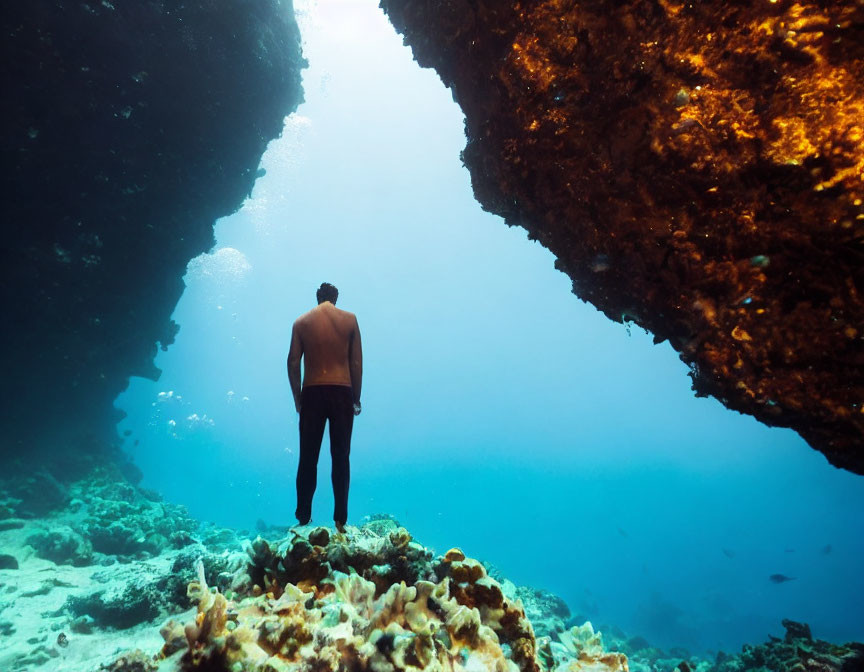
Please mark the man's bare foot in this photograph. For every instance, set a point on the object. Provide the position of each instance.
(295, 528)
(340, 527)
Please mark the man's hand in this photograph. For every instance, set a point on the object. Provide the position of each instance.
(357, 408)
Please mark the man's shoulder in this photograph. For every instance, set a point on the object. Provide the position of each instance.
(346, 315)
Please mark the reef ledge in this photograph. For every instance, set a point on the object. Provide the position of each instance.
(696, 168)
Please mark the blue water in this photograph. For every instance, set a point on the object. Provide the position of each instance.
(501, 414)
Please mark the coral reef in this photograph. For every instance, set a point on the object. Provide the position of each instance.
(68, 606)
(289, 608)
(129, 128)
(696, 168)
(547, 612)
(105, 519)
(126, 521)
(392, 605)
(375, 600)
(312, 599)
(798, 651)
(62, 545)
(585, 645)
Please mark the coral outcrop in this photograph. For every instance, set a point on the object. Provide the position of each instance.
(696, 168)
(104, 519)
(128, 129)
(798, 651)
(376, 600)
(62, 545)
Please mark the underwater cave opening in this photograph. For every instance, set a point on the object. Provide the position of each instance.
(501, 414)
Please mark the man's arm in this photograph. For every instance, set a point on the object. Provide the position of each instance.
(355, 362)
(294, 355)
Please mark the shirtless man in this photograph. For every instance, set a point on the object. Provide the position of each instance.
(329, 340)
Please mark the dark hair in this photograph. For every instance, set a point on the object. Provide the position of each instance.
(327, 292)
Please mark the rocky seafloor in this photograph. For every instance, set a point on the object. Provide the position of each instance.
(100, 574)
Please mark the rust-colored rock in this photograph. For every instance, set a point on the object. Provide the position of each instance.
(697, 168)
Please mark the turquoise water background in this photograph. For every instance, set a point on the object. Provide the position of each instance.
(501, 414)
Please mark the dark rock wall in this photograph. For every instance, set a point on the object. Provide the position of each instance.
(128, 129)
(696, 168)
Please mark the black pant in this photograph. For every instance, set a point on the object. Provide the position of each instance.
(318, 404)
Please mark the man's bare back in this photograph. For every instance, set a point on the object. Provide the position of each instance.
(328, 340)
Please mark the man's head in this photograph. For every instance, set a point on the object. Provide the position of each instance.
(327, 292)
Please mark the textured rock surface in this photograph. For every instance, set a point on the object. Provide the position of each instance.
(695, 167)
(128, 129)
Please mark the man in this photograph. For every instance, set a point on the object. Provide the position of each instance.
(329, 341)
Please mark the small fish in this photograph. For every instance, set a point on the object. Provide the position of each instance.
(826, 550)
(728, 553)
(788, 550)
(781, 578)
(623, 533)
